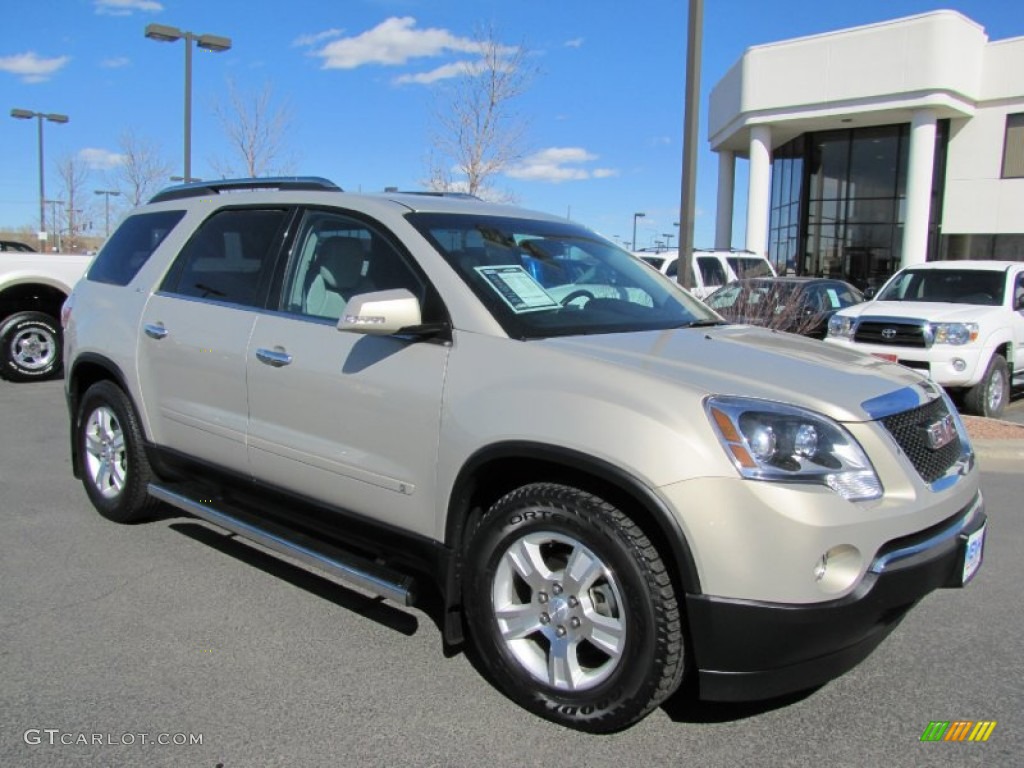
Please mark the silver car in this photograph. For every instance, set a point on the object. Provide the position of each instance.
(607, 486)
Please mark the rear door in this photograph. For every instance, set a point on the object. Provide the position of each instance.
(196, 330)
(347, 419)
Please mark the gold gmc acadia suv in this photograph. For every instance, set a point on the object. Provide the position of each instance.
(605, 487)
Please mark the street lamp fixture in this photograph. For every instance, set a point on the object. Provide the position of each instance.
(213, 43)
(635, 217)
(53, 117)
(106, 204)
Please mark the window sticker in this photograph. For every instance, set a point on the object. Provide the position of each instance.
(517, 288)
(833, 298)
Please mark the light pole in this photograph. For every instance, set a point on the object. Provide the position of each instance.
(53, 217)
(668, 238)
(213, 43)
(635, 217)
(106, 205)
(27, 114)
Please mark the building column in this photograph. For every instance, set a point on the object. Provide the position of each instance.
(920, 166)
(726, 192)
(759, 189)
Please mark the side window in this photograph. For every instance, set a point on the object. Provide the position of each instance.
(1018, 292)
(337, 257)
(711, 270)
(229, 258)
(123, 255)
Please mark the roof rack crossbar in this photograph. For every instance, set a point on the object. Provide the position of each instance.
(201, 188)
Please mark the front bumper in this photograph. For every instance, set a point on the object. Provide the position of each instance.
(746, 650)
(946, 365)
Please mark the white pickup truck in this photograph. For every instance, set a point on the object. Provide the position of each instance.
(959, 322)
(33, 286)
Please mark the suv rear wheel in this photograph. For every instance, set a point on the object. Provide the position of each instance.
(571, 608)
(115, 470)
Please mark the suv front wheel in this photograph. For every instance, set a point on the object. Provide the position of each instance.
(114, 467)
(990, 395)
(571, 608)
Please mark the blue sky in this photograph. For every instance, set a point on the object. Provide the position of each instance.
(604, 112)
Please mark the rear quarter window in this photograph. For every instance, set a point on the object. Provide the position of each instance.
(123, 255)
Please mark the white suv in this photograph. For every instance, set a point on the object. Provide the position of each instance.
(959, 322)
(711, 269)
(425, 394)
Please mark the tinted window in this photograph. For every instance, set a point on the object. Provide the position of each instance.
(711, 270)
(337, 257)
(123, 255)
(229, 258)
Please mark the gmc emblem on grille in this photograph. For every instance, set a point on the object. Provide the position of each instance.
(940, 433)
(888, 333)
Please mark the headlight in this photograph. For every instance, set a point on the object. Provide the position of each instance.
(840, 326)
(954, 333)
(776, 442)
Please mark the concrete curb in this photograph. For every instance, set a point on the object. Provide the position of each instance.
(1000, 449)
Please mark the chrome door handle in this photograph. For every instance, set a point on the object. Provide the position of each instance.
(155, 331)
(273, 357)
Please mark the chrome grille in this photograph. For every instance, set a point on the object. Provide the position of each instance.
(898, 334)
(910, 430)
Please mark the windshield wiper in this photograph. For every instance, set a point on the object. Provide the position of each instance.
(702, 324)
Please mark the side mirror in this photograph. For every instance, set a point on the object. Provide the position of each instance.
(869, 293)
(381, 313)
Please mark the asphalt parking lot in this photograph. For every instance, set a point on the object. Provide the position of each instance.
(113, 638)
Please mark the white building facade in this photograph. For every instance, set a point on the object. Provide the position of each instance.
(875, 147)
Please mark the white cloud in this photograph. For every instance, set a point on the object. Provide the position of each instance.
(30, 67)
(444, 72)
(392, 42)
(115, 63)
(574, 43)
(558, 164)
(305, 41)
(126, 7)
(100, 159)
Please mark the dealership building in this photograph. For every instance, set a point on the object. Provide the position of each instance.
(875, 147)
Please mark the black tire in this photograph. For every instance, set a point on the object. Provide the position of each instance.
(990, 395)
(30, 347)
(595, 653)
(114, 468)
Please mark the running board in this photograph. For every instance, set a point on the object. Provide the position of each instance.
(348, 567)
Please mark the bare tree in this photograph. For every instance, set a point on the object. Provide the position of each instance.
(73, 175)
(143, 170)
(256, 130)
(478, 133)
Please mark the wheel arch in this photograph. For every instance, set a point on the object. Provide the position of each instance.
(32, 297)
(493, 471)
(87, 370)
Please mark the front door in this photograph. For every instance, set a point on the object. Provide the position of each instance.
(343, 418)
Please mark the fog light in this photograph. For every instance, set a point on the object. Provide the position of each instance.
(959, 364)
(838, 569)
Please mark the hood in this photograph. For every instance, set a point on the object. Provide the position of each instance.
(753, 362)
(934, 311)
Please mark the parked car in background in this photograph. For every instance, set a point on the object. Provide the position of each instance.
(15, 246)
(795, 304)
(711, 269)
(33, 286)
(959, 322)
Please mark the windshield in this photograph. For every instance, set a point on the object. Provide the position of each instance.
(543, 278)
(955, 286)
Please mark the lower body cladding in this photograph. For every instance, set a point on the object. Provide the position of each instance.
(800, 646)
